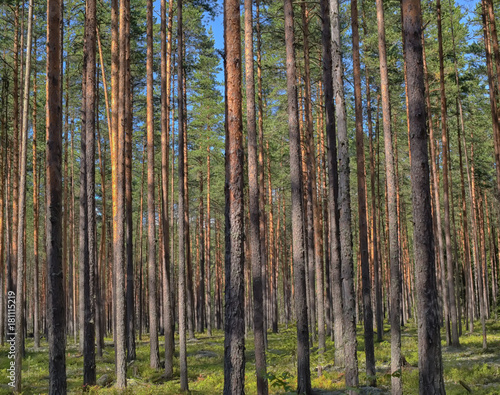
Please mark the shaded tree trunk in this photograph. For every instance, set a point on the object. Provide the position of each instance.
(253, 190)
(56, 309)
(166, 49)
(154, 358)
(429, 344)
(298, 237)
(394, 251)
(450, 283)
(348, 296)
(363, 227)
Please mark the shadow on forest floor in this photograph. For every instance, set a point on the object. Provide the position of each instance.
(469, 364)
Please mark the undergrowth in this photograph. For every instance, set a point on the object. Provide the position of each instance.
(468, 365)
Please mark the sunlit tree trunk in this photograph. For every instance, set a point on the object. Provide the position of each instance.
(166, 49)
(20, 292)
(234, 325)
(154, 359)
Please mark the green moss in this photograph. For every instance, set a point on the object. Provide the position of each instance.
(478, 369)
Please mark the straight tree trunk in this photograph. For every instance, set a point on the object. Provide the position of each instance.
(234, 326)
(89, 373)
(253, 191)
(56, 309)
(348, 296)
(208, 275)
(130, 321)
(166, 49)
(154, 358)
(119, 202)
(429, 343)
(363, 227)
(298, 237)
(36, 222)
(394, 251)
(446, 200)
(20, 292)
(182, 240)
(83, 221)
(333, 221)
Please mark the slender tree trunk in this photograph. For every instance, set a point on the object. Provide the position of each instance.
(298, 237)
(429, 344)
(154, 358)
(181, 208)
(119, 199)
(36, 221)
(208, 275)
(437, 213)
(332, 186)
(253, 189)
(20, 293)
(394, 251)
(89, 373)
(56, 309)
(166, 49)
(449, 254)
(348, 298)
(363, 227)
(130, 321)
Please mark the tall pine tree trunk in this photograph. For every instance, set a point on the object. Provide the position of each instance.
(394, 251)
(363, 227)
(253, 190)
(234, 325)
(450, 283)
(298, 236)
(348, 296)
(429, 343)
(20, 291)
(56, 309)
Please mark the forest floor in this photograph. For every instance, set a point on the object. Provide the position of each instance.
(475, 368)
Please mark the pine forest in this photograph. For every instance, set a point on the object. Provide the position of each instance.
(249, 196)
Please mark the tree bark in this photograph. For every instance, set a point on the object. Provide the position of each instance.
(20, 292)
(234, 326)
(182, 240)
(348, 298)
(303, 370)
(446, 200)
(429, 343)
(166, 49)
(56, 309)
(253, 191)
(89, 371)
(394, 251)
(154, 358)
(363, 227)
